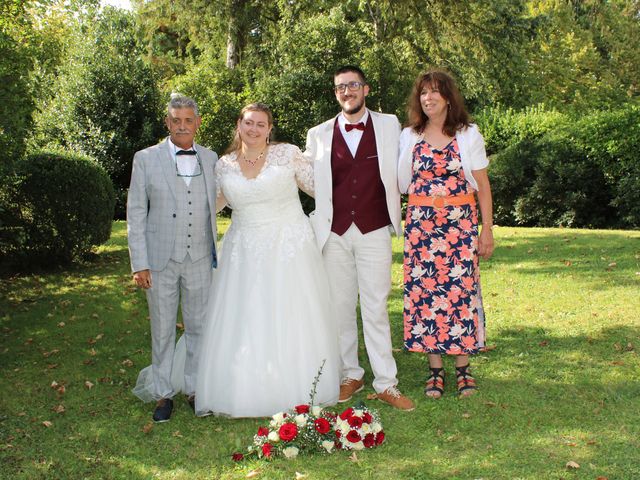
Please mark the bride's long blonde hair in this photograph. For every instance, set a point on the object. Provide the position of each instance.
(252, 107)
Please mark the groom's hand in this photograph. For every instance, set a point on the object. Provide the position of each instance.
(142, 278)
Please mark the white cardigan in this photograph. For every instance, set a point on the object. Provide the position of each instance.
(472, 154)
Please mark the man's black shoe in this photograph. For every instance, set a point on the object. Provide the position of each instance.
(163, 410)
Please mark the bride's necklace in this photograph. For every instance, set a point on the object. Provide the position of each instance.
(255, 160)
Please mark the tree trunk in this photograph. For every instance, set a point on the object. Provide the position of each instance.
(235, 32)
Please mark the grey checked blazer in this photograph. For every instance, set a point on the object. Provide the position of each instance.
(151, 204)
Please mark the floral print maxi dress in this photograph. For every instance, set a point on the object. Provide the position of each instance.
(442, 302)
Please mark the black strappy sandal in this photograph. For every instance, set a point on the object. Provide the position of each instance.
(435, 383)
(466, 382)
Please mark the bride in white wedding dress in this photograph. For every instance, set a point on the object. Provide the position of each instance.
(269, 325)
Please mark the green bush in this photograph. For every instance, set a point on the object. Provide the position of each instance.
(568, 189)
(56, 207)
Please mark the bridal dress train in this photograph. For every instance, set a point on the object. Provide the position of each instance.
(270, 324)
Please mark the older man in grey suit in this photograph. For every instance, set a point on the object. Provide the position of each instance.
(171, 229)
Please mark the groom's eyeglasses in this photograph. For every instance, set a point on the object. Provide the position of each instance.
(352, 86)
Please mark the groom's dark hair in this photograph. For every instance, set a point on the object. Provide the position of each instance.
(350, 68)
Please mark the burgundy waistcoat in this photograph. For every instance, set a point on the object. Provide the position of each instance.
(358, 192)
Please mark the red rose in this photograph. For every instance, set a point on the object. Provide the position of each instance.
(322, 425)
(338, 445)
(379, 437)
(236, 457)
(369, 440)
(302, 409)
(288, 432)
(355, 422)
(263, 431)
(266, 450)
(338, 434)
(347, 413)
(367, 418)
(353, 436)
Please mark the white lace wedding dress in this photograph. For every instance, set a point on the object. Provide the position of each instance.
(270, 324)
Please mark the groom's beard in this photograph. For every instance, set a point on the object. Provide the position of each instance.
(355, 109)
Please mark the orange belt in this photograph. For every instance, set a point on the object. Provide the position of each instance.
(442, 201)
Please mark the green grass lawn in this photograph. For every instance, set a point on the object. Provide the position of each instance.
(558, 384)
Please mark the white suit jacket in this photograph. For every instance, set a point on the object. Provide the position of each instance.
(151, 204)
(318, 148)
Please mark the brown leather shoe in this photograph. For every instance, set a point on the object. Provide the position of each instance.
(348, 387)
(393, 397)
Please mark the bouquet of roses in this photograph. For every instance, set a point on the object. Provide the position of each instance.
(358, 428)
(304, 429)
(309, 429)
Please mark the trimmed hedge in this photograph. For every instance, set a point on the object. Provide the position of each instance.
(563, 169)
(55, 208)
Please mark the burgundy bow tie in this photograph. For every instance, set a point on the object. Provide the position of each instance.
(351, 126)
(186, 152)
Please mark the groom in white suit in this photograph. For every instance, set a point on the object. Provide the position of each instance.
(171, 232)
(355, 158)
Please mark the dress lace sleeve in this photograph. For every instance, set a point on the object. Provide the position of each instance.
(303, 166)
(221, 202)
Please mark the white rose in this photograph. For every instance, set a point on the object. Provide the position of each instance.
(290, 452)
(273, 437)
(365, 428)
(316, 411)
(278, 418)
(342, 424)
(328, 446)
(358, 412)
(357, 446)
(301, 420)
(376, 427)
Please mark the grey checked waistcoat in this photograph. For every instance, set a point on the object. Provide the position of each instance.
(193, 220)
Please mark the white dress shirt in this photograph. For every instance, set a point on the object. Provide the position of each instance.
(353, 137)
(186, 164)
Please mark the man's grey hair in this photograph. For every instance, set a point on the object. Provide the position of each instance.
(181, 101)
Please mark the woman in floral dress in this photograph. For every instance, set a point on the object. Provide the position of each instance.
(443, 168)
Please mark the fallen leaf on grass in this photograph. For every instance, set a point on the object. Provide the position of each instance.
(61, 390)
(573, 465)
(61, 324)
(571, 444)
(59, 408)
(177, 434)
(47, 423)
(354, 458)
(371, 396)
(396, 350)
(300, 476)
(488, 348)
(567, 263)
(148, 427)
(88, 385)
(591, 442)
(54, 384)
(99, 336)
(127, 363)
(466, 415)
(93, 352)
(491, 404)
(51, 366)
(52, 352)
(253, 474)
(543, 343)
(617, 363)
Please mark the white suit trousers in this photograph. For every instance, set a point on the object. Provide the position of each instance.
(359, 263)
(188, 284)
